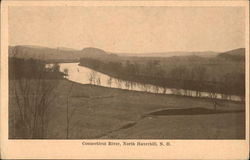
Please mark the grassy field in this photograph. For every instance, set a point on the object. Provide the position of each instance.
(113, 113)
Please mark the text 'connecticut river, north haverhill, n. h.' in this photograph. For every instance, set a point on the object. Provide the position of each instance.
(109, 143)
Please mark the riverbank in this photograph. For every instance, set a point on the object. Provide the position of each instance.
(101, 112)
(85, 75)
(176, 74)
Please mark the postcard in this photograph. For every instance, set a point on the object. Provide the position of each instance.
(124, 79)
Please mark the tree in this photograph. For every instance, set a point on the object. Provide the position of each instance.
(127, 84)
(98, 81)
(92, 77)
(200, 75)
(118, 83)
(66, 72)
(109, 81)
(69, 114)
(213, 93)
(56, 67)
(34, 94)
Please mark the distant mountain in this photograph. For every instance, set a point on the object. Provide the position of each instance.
(62, 54)
(44, 53)
(170, 54)
(33, 46)
(66, 49)
(233, 55)
(96, 52)
(58, 54)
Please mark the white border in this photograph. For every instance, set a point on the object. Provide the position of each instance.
(72, 149)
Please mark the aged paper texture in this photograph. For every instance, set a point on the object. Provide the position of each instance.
(124, 80)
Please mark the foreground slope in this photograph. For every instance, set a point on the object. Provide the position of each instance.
(113, 113)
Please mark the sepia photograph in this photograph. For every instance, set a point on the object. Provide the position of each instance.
(122, 74)
(126, 72)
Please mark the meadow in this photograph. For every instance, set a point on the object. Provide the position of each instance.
(99, 113)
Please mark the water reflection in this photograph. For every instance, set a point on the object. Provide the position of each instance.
(85, 75)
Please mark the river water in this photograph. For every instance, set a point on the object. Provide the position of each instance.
(86, 75)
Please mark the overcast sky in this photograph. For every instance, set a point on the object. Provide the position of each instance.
(129, 29)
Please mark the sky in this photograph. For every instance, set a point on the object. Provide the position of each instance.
(128, 29)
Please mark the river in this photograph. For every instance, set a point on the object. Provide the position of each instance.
(86, 75)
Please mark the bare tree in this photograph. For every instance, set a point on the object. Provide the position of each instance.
(69, 114)
(127, 84)
(66, 72)
(109, 81)
(118, 83)
(213, 94)
(34, 94)
(164, 90)
(92, 77)
(156, 89)
(98, 81)
(200, 74)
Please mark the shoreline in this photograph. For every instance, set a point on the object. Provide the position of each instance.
(159, 94)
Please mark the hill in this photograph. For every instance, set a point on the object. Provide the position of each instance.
(44, 53)
(170, 54)
(233, 55)
(71, 55)
(58, 54)
(97, 53)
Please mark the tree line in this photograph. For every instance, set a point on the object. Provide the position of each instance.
(179, 77)
(33, 86)
(32, 69)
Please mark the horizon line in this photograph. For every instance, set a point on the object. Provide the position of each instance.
(112, 52)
